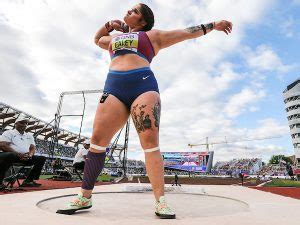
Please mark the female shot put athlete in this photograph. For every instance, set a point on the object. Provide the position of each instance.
(131, 89)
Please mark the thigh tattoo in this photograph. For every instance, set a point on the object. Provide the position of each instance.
(142, 120)
(156, 114)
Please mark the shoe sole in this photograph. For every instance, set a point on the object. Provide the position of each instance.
(164, 216)
(71, 211)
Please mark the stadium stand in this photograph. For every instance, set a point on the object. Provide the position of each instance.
(273, 170)
(235, 166)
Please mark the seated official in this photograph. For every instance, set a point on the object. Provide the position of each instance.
(17, 146)
(80, 156)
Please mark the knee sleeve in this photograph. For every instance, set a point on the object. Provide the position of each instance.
(151, 149)
(94, 164)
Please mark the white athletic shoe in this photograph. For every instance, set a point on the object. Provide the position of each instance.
(162, 209)
(79, 203)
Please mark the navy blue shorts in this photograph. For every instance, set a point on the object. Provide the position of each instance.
(128, 85)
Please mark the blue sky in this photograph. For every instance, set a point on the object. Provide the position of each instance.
(279, 32)
(232, 85)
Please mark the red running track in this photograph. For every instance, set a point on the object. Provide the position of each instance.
(292, 192)
(49, 185)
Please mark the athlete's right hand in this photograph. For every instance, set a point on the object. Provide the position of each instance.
(119, 25)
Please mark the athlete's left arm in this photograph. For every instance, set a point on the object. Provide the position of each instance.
(164, 39)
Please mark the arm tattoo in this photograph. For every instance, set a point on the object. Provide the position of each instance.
(195, 29)
(209, 26)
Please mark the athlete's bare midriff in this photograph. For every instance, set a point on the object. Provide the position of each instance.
(128, 62)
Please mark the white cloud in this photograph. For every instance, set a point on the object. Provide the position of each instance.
(263, 58)
(262, 151)
(242, 101)
(259, 142)
(287, 27)
(269, 127)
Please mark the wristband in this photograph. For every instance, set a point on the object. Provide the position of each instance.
(203, 28)
(108, 27)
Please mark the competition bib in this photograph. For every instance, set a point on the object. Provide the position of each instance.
(125, 41)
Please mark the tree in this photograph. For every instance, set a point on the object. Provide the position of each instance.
(276, 159)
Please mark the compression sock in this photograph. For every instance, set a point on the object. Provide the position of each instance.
(94, 164)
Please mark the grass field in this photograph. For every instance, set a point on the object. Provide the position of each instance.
(283, 183)
(102, 177)
(44, 177)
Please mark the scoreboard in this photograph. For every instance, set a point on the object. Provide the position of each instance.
(188, 161)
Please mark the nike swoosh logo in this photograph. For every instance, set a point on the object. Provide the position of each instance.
(144, 78)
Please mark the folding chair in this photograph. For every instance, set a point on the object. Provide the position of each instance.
(17, 171)
(76, 173)
(62, 175)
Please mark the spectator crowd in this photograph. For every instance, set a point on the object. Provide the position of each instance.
(43, 148)
(236, 166)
